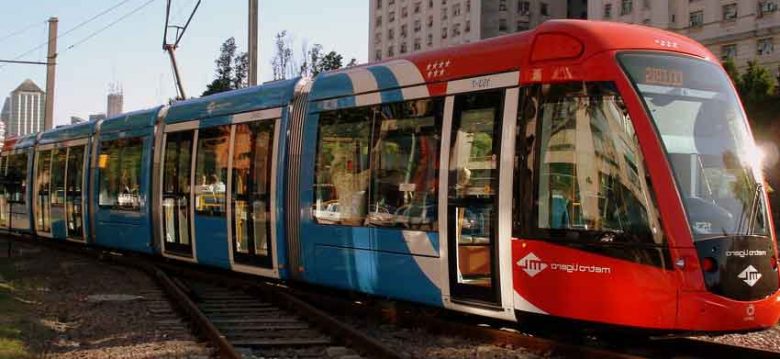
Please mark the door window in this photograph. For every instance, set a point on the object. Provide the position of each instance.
(73, 199)
(43, 197)
(176, 191)
(211, 170)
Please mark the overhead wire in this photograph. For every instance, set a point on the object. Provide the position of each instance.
(123, 17)
(21, 31)
(79, 25)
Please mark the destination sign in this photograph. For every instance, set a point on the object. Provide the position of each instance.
(661, 76)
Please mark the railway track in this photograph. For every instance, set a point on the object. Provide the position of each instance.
(265, 322)
(245, 317)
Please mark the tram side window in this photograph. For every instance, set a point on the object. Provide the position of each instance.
(58, 176)
(119, 164)
(211, 170)
(16, 178)
(343, 169)
(590, 174)
(406, 165)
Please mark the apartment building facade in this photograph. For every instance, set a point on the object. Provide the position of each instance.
(743, 30)
(23, 110)
(400, 27)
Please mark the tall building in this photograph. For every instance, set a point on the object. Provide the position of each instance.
(24, 110)
(739, 29)
(399, 27)
(115, 101)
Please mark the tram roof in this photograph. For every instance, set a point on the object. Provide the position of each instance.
(552, 42)
(69, 132)
(131, 120)
(15, 143)
(268, 95)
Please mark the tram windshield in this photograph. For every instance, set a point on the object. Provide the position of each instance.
(703, 128)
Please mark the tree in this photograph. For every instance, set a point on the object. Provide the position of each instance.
(231, 72)
(281, 61)
(241, 76)
(731, 70)
(756, 84)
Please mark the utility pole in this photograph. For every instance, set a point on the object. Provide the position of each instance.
(253, 9)
(51, 65)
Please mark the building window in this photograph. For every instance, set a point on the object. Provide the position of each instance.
(390, 51)
(378, 21)
(468, 26)
(417, 25)
(697, 19)
(404, 12)
(502, 5)
(765, 7)
(391, 16)
(524, 8)
(444, 2)
(430, 40)
(430, 22)
(765, 47)
(728, 52)
(403, 31)
(417, 7)
(430, 4)
(456, 10)
(378, 38)
(730, 12)
(378, 4)
(378, 55)
(468, 5)
(607, 11)
(403, 48)
(522, 26)
(544, 10)
(444, 14)
(626, 7)
(456, 30)
(417, 44)
(502, 27)
(390, 2)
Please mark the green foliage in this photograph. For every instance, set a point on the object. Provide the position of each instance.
(756, 84)
(731, 69)
(232, 69)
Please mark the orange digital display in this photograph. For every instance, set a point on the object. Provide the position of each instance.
(666, 77)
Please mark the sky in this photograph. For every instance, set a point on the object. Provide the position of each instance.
(129, 53)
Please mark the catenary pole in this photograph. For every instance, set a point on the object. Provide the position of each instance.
(51, 65)
(253, 12)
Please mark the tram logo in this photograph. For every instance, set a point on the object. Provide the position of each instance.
(750, 275)
(531, 264)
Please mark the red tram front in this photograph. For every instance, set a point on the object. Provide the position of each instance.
(638, 193)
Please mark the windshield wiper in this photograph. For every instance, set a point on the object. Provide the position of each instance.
(754, 204)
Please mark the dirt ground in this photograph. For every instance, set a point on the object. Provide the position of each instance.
(59, 305)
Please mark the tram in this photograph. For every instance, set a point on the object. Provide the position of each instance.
(593, 171)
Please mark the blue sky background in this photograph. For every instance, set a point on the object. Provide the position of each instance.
(129, 53)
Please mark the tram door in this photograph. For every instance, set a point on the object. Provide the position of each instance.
(43, 193)
(251, 193)
(176, 193)
(473, 196)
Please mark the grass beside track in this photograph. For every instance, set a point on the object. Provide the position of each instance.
(21, 333)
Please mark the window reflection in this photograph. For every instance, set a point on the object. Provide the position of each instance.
(251, 191)
(73, 199)
(343, 169)
(119, 164)
(591, 172)
(379, 165)
(43, 182)
(211, 170)
(59, 157)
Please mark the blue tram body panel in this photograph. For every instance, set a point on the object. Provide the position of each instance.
(129, 230)
(389, 262)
